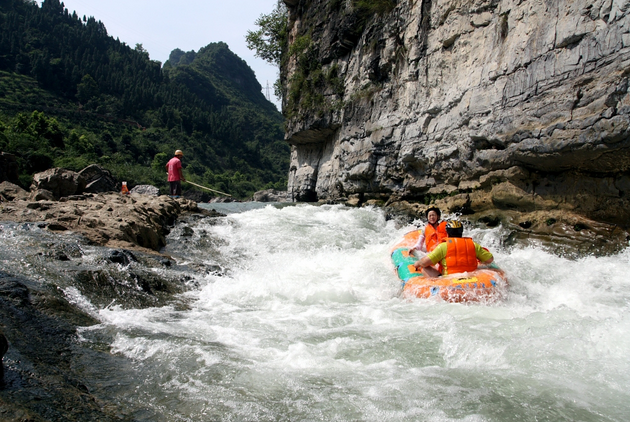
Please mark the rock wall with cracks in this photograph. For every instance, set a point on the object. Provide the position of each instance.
(502, 103)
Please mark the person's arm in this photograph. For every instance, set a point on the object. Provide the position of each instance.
(432, 258)
(423, 262)
(426, 264)
(419, 246)
(483, 255)
(181, 175)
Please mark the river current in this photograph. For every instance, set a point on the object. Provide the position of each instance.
(301, 320)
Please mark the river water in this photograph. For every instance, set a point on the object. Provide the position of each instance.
(304, 322)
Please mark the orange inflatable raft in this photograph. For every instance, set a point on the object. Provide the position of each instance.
(486, 284)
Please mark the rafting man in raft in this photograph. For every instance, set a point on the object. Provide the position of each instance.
(455, 254)
(434, 232)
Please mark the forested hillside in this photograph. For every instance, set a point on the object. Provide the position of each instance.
(70, 95)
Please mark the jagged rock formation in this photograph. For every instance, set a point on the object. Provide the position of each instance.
(114, 220)
(271, 195)
(98, 179)
(497, 103)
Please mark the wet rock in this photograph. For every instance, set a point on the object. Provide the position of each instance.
(272, 195)
(129, 288)
(56, 227)
(559, 232)
(4, 346)
(197, 196)
(402, 212)
(60, 256)
(221, 199)
(490, 221)
(55, 371)
(153, 260)
(44, 369)
(165, 262)
(65, 249)
(11, 290)
(121, 257)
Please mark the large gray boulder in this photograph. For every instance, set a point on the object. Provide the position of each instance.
(60, 182)
(98, 179)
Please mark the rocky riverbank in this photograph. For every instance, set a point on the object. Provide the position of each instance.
(107, 219)
(55, 369)
(104, 245)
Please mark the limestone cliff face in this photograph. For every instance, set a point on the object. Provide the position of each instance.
(500, 103)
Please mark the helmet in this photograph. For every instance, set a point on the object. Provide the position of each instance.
(179, 152)
(437, 211)
(454, 228)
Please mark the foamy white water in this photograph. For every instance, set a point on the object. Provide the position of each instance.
(307, 325)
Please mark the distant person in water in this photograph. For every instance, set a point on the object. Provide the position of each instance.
(175, 175)
(456, 254)
(434, 232)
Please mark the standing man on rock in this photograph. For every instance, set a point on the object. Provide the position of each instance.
(175, 174)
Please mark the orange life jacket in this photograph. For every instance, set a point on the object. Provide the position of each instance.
(434, 236)
(460, 255)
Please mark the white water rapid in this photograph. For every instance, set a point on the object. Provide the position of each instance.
(306, 324)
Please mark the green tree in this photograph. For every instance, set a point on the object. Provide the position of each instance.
(159, 161)
(140, 49)
(270, 40)
(40, 127)
(87, 89)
